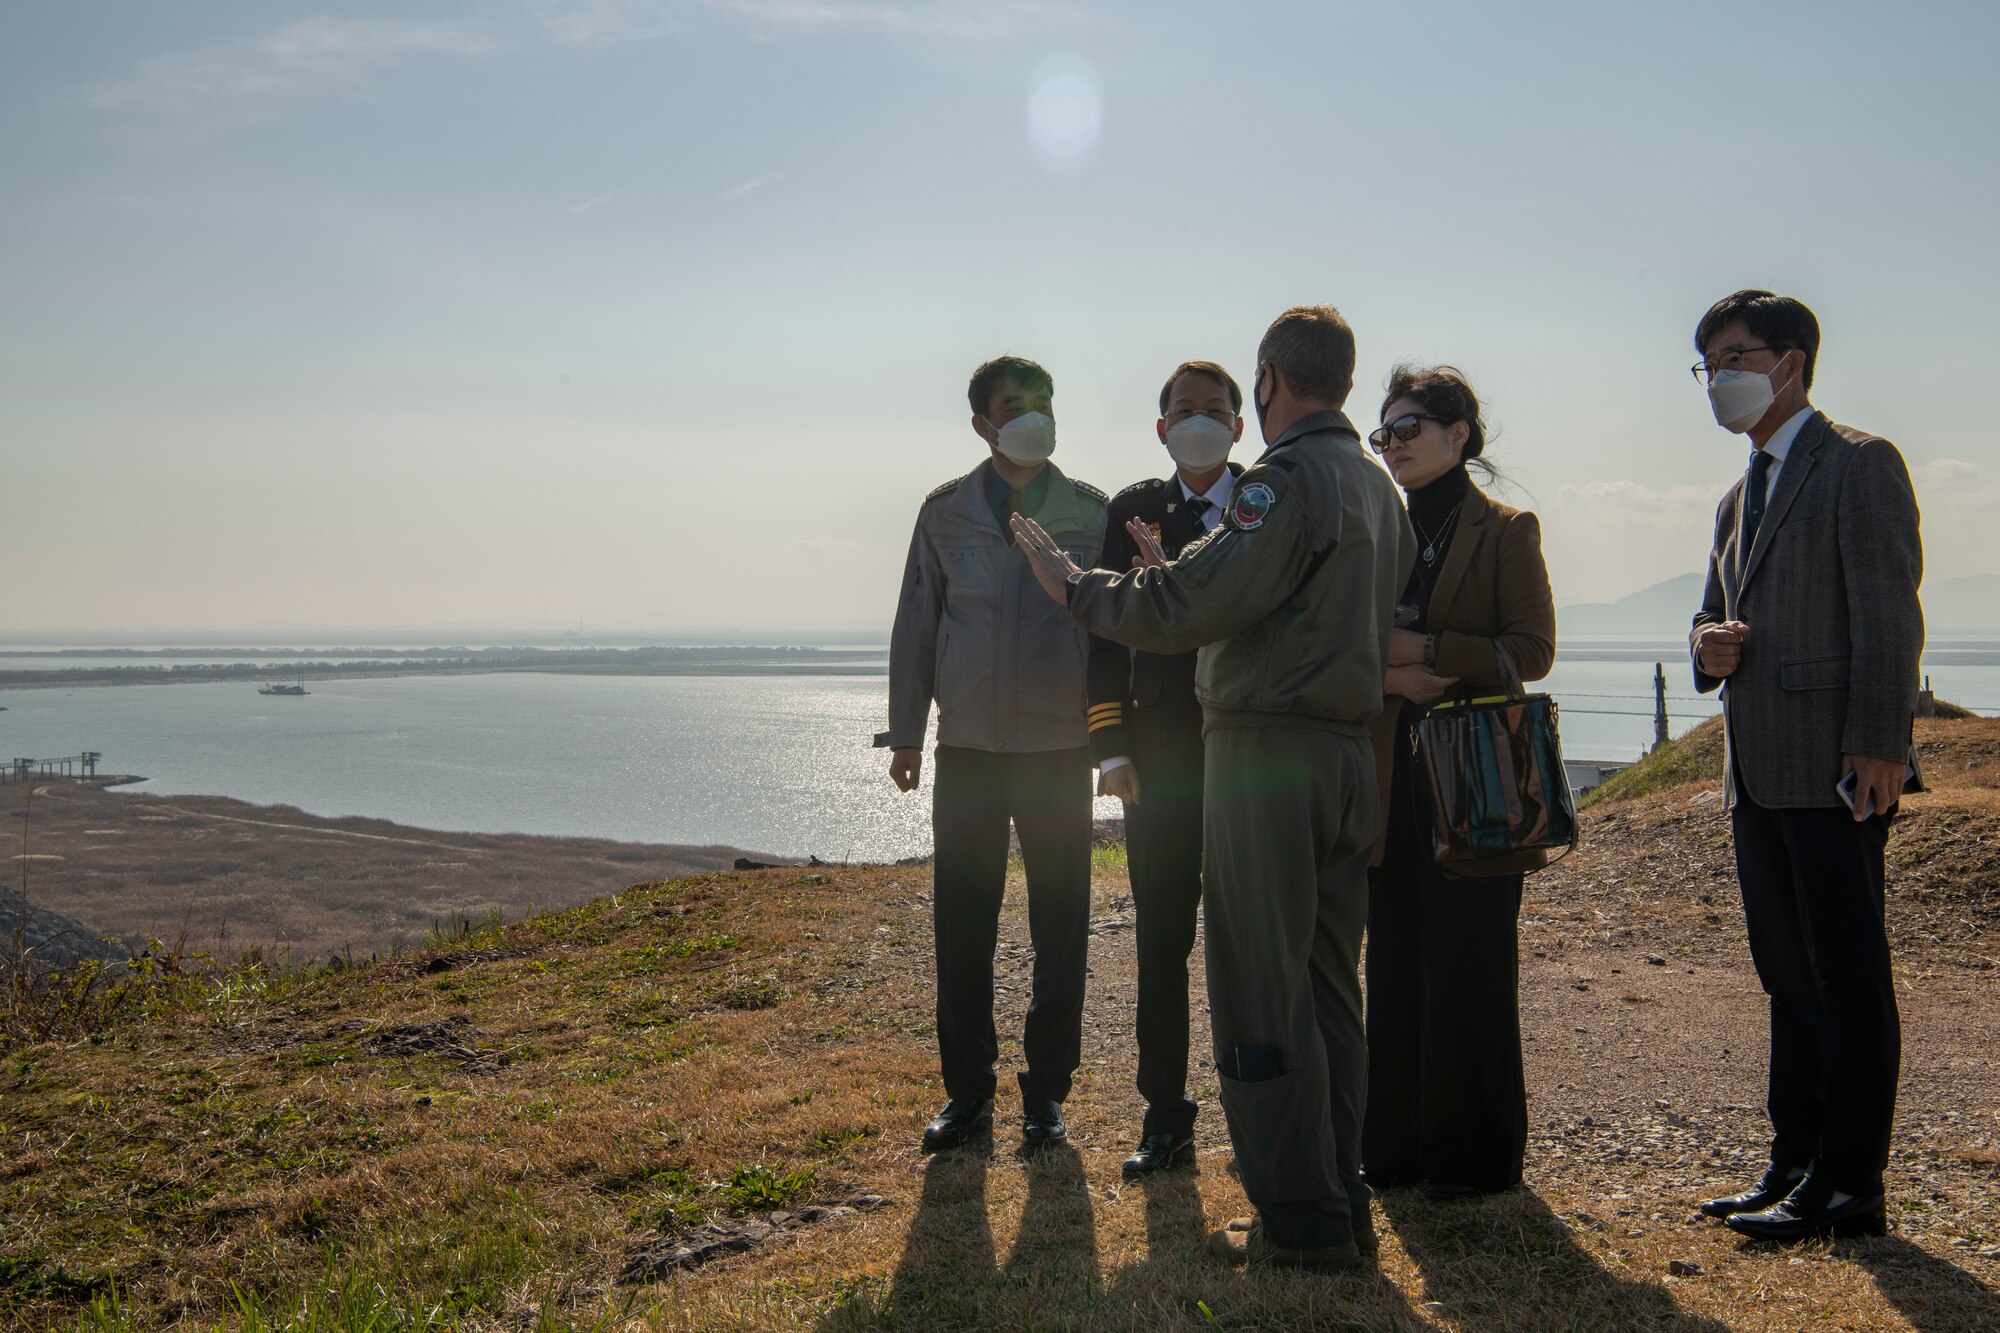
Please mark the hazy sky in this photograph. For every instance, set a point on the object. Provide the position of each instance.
(645, 314)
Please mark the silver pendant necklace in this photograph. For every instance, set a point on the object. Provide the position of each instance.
(1444, 530)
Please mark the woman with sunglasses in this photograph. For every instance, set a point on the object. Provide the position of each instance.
(1447, 1102)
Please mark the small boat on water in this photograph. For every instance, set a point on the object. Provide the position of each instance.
(278, 687)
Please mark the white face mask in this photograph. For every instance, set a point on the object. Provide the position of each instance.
(1199, 442)
(1028, 438)
(1740, 398)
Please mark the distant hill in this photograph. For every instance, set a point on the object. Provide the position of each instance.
(1966, 604)
(1663, 609)
(1971, 602)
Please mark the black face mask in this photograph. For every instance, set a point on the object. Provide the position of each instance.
(1262, 404)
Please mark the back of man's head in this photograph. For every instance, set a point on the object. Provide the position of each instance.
(1312, 348)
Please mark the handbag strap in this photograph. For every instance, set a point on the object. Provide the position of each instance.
(1508, 671)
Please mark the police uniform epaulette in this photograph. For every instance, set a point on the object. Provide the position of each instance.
(945, 489)
(1139, 487)
(1089, 489)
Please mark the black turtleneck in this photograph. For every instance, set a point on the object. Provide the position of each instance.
(1434, 512)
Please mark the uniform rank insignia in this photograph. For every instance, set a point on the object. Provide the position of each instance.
(1154, 528)
(1252, 505)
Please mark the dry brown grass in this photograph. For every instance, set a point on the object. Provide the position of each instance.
(643, 1052)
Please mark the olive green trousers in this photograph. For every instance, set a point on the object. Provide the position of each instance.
(1287, 828)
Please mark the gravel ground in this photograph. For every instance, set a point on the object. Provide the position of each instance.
(1646, 1034)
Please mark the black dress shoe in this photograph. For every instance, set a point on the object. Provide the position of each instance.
(1778, 1181)
(962, 1118)
(1042, 1123)
(1810, 1211)
(1159, 1152)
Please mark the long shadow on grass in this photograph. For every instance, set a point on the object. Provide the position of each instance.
(1506, 1262)
(1176, 1221)
(948, 1260)
(1936, 1297)
(1056, 1246)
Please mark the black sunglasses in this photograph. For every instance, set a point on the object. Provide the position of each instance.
(1405, 428)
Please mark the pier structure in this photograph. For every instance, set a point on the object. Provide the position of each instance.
(82, 766)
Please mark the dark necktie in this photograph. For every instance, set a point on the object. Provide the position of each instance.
(1753, 501)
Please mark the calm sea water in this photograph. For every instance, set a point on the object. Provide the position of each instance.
(780, 764)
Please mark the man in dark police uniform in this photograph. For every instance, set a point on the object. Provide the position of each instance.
(1145, 734)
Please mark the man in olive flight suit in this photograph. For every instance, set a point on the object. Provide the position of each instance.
(1145, 734)
(1291, 602)
(1006, 670)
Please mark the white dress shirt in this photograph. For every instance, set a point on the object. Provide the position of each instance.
(1779, 445)
(1218, 495)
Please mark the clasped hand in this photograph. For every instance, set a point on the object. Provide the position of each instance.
(1718, 650)
(1416, 682)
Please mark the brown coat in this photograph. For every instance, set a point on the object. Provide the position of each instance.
(1494, 585)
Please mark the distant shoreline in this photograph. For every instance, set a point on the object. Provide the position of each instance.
(224, 874)
(640, 662)
(651, 661)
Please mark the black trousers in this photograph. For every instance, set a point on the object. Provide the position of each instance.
(1813, 883)
(1163, 854)
(1047, 795)
(1447, 1097)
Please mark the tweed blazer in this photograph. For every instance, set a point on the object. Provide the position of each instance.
(1493, 586)
(1829, 591)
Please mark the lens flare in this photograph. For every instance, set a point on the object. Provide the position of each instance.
(1065, 113)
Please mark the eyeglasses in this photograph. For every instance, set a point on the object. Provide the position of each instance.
(1705, 371)
(1405, 428)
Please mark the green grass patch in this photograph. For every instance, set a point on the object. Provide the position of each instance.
(758, 1189)
(676, 1196)
(31, 1277)
(461, 929)
(835, 1138)
(91, 1001)
(1693, 756)
(642, 960)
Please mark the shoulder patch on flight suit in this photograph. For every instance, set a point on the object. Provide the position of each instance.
(1257, 494)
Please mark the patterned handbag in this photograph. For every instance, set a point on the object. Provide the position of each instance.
(1489, 774)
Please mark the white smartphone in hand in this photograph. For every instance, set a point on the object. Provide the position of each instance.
(1847, 786)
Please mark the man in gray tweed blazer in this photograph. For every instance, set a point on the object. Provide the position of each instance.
(1811, 627)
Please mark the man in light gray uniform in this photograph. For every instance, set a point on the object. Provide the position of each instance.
(1291, 602)
(1007, 672)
